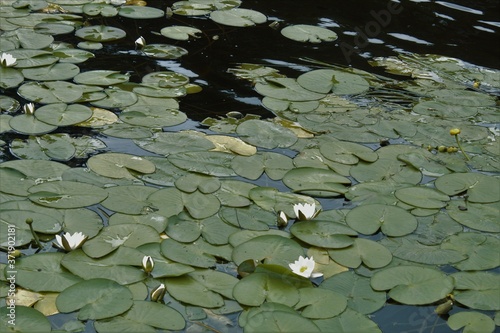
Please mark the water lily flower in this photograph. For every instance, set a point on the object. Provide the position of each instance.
(69, 242)
(148, 264)
(455, 132)
(282, 219)
(29, 108)
(141, 42)
(158, 293)
(118, 2)
(7, 60)
(304, 267)
(305, 211)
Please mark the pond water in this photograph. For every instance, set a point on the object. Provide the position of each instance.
(466, 30)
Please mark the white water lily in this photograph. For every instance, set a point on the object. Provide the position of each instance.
(118, 2)
(282, 219)
(148, 264)
(304, 267)
(305, 211)
(7, 60)
(69, 242)
(141, 42)
(29, 108)
(158, 293)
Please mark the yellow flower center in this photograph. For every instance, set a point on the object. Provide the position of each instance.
(303, 269)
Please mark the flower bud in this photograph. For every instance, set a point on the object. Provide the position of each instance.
(455, 131)
(441, 149)
(148, 264)
(158, 293)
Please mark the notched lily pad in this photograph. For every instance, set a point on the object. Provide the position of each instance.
(308, 33)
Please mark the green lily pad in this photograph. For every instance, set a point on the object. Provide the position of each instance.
(143, 316)
(471, 322)
(422, 197)
(140, 12)
(328, 80)
(167, 201)
(30, 39)
(271, 199)
(45, 147)
(366, 251)
(10, 77)
(37, 170)
(217, 232)
(238, 17)
(192, 182)
(116, 98)
(200, 205)
(82, 220)
(268, 248)
(479, 188)
(479, 249)
(433, 229)
(386, 169)
(100, 33)
(164, 51)
(286, 89)
(165, 79)
(391, 220)
(129, 199)
(101, 78)
(105, 10)
(73, 56)
(324, 234)
(61, 114)
(166, 143)
(58, 71)
(163, 267)
(118, 165)
(197, 254)
(112, 237)
(204, 162)
(183, 228)
(27, 320)
(30, 125)
(308, 33)
(413, 284)
(316, 182)
(189, 290)
(360, 295)
(180, 32)
(318, 303)
(477, 216)
(110, 267)
(152, 116)
(95, 299)
(66, 194)
(477, 290)
(273, 317)
(269, 283)
(156, 221)
(43, 272)
(234, 193)
(265, 134)
(249, 218)
(349, 318)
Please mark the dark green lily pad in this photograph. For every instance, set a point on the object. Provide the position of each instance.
(478, 187)
(318, 303)
(58, 71)
(329, 80)
(140, 12)
(100, 33)
(95, 299)
(477, 216)
(204, 162)
(45, 147)
(360, 295)
(238, 17)
(268, 248)
(316, 182)
(286, 89)
(422, 197)
(61, 114)
(477, 290)
(265, 134)
(200, 205)
(197, 254)
(479, 249)
(189, 290)
(391, 220)
(118, 165)
(66, 194)
(471, 322)
(129, 199)
(308, 33)
(180, 32)
(30, 125)
(43, 272)
(249, 218)
(349, 318)
(413, 284)
(366, 251)
(102, 9)
(164, 51)
(73, 56)
(27, 320)
(324, 234)
(101, 78)
(165, 143)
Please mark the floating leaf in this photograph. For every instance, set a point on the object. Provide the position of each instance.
(477, 290)
(350, 319)
(316, 182)
(323, 234)
(273, 164)
(413, 284)
(66, 194)
(422, 197)
(180, 32)
(10, 77)
(336, 81)
(477, 216)
(425, 254)
(360, 295)
(164, 51)
(118, 165)
(166, 143)
(477, 247)
(130, 199)
(368, 252)
(268, 248)
(471, 322)
(391, 220)
(101, 78)
(46, 147)
(95, 299)
(250, 218)
(197, 254)
(100, 33)
(140, 12)
(205, 162)
(308, 33)
(29, 124)
(200, 205)
(478, 187)
(266, 134)
(57, 71)
(316, 303)
(238, 17)
(27, 320)
(286, 89)
(61, 114)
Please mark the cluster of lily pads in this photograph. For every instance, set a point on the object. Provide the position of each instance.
(311, 221)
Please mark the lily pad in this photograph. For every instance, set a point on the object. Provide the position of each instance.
(196, 254)
(422, 197)
(328, 80)
(27, 320)
(478, 187)
(204, 162)
(471, 322)
(95, 299)
(286, 89)
(477, 216)
(425, 254)
(129, 199)
(100, 33)
(413, 284)
(61, 114)
(265, 134)
(29, 124)
(366, 251)
(140, 12)
(249, 218)
(477, 247)
(189, 290)
(273, 164)
(180, 32)
(10, 77)
(66, 194)
(308, 33)
(57, 71)
(164, 51)
(316, 303)
(101, 78)
(166, 143)
(268, 248)
(391, 220)
(118, 165)
(324, 234)
(238, 17)
(477, 290)
(316, 182)
(200, 205)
